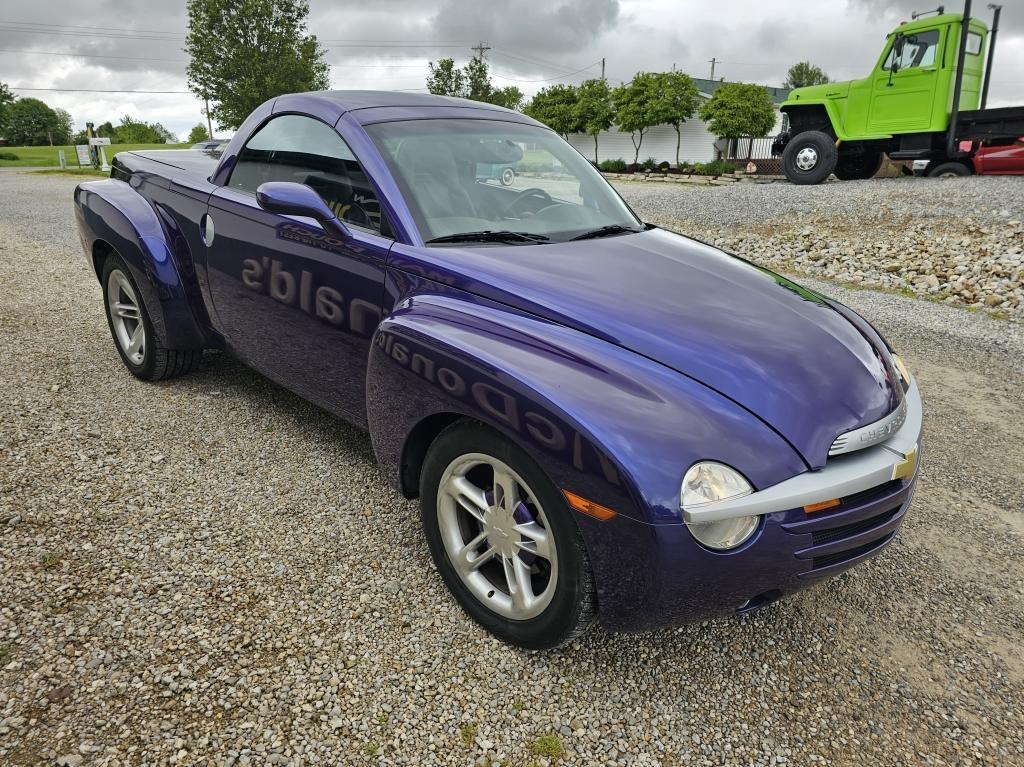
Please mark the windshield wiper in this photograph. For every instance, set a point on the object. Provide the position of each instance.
(489, 235)
(606, 231)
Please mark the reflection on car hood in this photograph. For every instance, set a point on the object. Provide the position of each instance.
(779, 350)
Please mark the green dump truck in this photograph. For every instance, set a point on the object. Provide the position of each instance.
(924, 97)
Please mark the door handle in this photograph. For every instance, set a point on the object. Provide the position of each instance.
(207, 229)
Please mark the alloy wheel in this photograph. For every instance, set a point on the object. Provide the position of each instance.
(497, 536)
(126, 317)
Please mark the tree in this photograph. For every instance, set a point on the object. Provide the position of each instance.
(594, 109)
(6, 99)
(446, 79)
(637, 108)
(31, 123)
(106, 130)
(677, 101)
(65, 124)
(132, 131)
(557, 107)
(805, 73)
(244, 52)
(739, 109)
(470, 82)
(198, 134)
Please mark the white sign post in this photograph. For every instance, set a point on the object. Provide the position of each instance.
(62, 159)
(101, 142)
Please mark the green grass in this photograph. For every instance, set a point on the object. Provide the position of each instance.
(46, 156)
(548, 746)
(468, 733)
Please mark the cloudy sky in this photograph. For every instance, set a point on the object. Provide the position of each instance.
(136, 45)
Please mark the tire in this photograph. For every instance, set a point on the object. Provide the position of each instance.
(128, 321)
(559, 603)
(508, 176)
(948, 170)
(857, 166)
(809, 157)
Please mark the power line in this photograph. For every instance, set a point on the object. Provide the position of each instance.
(92, 55)
(87, 90)
(546, 79)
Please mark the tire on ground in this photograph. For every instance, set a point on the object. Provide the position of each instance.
(948, 170)
(809, 157)
(853, 166)
(573, 606)
(158, 362)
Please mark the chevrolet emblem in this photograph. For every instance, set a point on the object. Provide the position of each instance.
(905, 469)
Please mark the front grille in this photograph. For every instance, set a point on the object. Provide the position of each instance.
(854, 528)
(843, 556)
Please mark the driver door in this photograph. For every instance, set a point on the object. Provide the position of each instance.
(295, 303)
(902, 99)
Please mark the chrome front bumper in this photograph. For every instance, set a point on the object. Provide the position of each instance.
(843, 475)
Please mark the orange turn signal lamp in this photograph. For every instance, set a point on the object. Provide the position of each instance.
(581, 504)
(821, 506)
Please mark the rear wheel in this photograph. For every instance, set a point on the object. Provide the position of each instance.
(809, 158)
(860, 165)
(141, 350)
(508, 176)
(504, 540)
(949, 170)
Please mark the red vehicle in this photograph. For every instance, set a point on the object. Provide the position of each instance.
(1004, 160)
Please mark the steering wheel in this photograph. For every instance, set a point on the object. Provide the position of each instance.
(533, 191)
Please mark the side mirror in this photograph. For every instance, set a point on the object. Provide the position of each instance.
(291, 199)
(897, 52)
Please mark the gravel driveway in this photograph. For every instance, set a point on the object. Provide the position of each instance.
(214, 572)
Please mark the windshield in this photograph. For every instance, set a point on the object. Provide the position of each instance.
(490, 181)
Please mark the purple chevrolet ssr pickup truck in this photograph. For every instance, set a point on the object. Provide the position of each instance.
(601, 418)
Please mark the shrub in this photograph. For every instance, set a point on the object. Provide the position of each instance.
(713, 168)
(649, 164)
(8, 156)
(612, 166)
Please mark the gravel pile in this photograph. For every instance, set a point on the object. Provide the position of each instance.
(212, 572)
(960, 241)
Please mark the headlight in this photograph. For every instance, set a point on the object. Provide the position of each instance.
(707, 482)
(901, 366)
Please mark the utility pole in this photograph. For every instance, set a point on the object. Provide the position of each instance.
(602, 67)
(209, 124)
(713, 61)
(481, 48)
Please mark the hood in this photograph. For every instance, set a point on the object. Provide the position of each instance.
(780, 351)
(818, 93)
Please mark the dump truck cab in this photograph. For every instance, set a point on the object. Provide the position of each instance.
(925, 94)
(909, 90)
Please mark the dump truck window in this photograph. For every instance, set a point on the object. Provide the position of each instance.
(918, 50)
(973, 43)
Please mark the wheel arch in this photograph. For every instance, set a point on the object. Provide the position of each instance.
(113, 218)
(819, 116)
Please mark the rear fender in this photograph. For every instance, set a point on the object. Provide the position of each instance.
(112, 212)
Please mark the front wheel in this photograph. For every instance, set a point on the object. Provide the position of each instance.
(809, 157)
(508, 176)
(141, 350)
(504, 540)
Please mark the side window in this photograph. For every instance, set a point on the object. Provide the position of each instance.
(306, 151)
(973, 43)
(918, 50)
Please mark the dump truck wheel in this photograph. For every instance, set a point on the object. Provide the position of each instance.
(810, 157)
